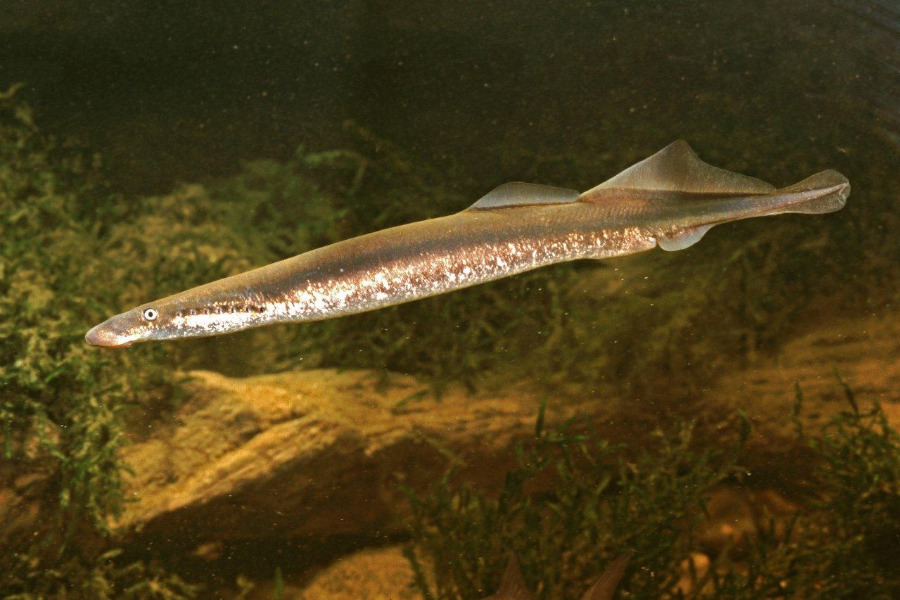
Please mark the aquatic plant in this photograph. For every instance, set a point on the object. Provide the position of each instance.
(53, 388)
(62, 406)
(102, 579)
(853, 533)
(64, 236)
(842, 543)
(601, 504)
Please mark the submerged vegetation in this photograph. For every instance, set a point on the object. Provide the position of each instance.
(62, 405)
(73, 251)
(601, 506)
(668, 319)
(604, 502)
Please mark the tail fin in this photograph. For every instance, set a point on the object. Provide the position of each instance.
(828, 192)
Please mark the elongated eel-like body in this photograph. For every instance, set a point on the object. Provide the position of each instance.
(670, 199)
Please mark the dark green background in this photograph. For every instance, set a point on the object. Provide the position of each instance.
(174, 91)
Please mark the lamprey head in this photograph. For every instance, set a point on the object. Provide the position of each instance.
(175, 318)
(136, 325)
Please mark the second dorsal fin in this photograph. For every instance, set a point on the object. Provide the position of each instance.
(518, 194)
(677, 168)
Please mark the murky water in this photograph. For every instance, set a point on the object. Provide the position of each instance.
(230, 135)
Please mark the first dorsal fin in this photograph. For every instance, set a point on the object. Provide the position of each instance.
(677, 168)
(518, 194)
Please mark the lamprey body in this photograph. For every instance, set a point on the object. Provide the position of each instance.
(670, 199)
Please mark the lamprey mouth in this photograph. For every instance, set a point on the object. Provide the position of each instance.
(104, 338)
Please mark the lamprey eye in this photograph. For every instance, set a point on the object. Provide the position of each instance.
(150, 314)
